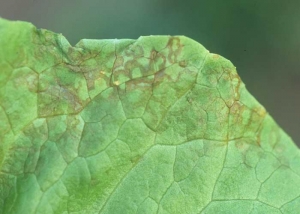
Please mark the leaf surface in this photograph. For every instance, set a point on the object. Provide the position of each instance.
(153, 125)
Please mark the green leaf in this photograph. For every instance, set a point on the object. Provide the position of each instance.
(153, 125)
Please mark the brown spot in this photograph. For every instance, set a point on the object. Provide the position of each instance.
(142, 82)
(153, 54)
(183, 63)
(175, 48)
(215, 56)
(135, 51)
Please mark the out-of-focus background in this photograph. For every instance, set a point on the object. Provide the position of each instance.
(261, 38)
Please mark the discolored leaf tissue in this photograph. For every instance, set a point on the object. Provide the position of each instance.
(153, 125)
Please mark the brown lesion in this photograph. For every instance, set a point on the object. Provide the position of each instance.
(174, 47)
(154, 59)
(56, 97)
(249, 123)
(236, 88)
(135, 52)
(157, 61)
(183, 63)
(28, 80)
(125, 66)
(93, 75)
(139, 83)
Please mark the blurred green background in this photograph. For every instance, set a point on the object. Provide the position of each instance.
(262, 38)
